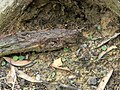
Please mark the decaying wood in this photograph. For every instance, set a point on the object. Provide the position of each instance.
(11, 10)
(39, 41)
(113, 5)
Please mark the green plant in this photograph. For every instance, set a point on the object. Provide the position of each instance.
(104, 47)
(52, 76)
(25, 88)
(66, 49)
(21, 57)
(65, 59)
(15, 58)
(99, 27)
(3, 63)
(90, 37)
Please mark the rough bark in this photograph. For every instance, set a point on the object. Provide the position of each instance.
(17, 11)
(114, 6)
(38, 41)
(10, 9)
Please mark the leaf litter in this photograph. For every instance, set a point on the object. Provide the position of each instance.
(17, 63)
(14, 73)
(58, 63)
(11, 77)
(81, 71)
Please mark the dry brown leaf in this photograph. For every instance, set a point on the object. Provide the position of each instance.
(104, 81)
(57, 63)
(17, 63)
(11, 76)
(23, 75)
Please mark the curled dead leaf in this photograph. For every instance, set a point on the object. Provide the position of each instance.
(11, 76)
(17, 63)
(57, 63)
(27, 77)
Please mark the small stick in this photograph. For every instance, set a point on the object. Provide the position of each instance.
(104, 81)
(104, 52)
(2, 78)
(107, 40)
(69, 87)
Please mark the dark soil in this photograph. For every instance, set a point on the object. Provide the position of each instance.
(94, 21)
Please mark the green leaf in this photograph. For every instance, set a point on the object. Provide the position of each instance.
(25, 88)
(33, 88)
(21, 57)
(66, 49)
(104, 47)
(15, 58)
(99, 27)
(53, 75)
(3, 63)
(64, 59)
(90, 37)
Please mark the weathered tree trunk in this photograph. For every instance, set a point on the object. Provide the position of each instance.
(10, 9)
(38, 41)
(113, 5)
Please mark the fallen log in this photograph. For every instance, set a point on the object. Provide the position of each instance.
(38, 41)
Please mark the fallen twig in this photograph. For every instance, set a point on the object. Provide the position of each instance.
(107, 40)
(2, 78)
(104, 81)
(104, 52)
(68, 87)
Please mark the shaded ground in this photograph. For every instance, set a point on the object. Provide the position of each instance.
(96, 23)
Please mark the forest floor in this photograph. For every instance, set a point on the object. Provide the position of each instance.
(79, 67)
